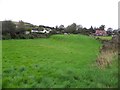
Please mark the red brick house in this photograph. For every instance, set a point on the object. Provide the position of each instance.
(100, 32)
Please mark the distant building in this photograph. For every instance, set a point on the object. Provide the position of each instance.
(100, 32)
(27, 32)
(42, 31)
(34, 31)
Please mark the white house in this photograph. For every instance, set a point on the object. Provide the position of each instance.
(27, 32)
(34, 31)
(44, 31)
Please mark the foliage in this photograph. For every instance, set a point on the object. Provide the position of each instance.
(21, 27)
(8, 27)
(102, 27)
(17, 31)
(71, 28)
(40, 28)
(109, 31)
(12, 30)
(91, 30)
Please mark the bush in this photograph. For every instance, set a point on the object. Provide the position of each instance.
(25, 36)
(7, 36)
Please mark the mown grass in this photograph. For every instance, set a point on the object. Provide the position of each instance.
(61, 61)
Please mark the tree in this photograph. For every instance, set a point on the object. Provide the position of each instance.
(21, 27)
(78, 29)
(102, 27)
(85, 31)
(56, 27)
(40, 28)
(61, 27)
(71, 28)
(8, 27)
(91, 30)
(109, 31)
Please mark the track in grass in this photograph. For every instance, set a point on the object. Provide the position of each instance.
(59, 61)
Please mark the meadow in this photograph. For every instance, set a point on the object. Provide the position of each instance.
(104, 37)
(61, 61)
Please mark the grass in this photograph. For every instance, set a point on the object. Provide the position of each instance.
(104, 37)
(61, 61)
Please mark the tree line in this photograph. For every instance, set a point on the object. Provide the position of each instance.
(16, 30)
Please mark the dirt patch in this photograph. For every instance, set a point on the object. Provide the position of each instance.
(108, 52)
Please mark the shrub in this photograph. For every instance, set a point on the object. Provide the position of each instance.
(7, 36)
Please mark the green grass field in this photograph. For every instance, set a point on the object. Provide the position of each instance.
(104, 37)
(61, 61)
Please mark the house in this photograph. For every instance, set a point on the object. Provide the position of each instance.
(34, 31)
(65, 33)
(100, 32)
(43, 31)
(27, 32)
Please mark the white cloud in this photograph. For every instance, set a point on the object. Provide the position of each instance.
(56, 12)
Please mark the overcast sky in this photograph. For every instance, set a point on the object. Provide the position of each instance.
(66, 12)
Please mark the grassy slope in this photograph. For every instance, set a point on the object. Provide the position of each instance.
(104, 37)
(60, 61)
